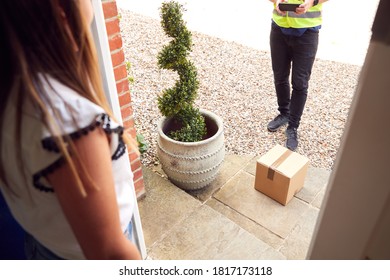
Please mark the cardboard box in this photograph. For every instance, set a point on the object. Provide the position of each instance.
(280, 173)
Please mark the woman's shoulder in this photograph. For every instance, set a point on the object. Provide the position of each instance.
(68, 107)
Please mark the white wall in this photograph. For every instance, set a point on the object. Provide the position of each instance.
(354, 219)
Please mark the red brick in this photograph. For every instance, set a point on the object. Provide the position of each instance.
(140, 188)
(115, 42)
(133, 156)
(110, 9)
(124, 99)
(135, 165)
(122, 86)
(127, 119)
(132, 132)
(126, 111)
(112, 27)
(137, 174)
(129, 123)
(134, 149)
(117, 58)
(120, 72)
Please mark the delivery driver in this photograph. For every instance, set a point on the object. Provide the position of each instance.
(293, 42)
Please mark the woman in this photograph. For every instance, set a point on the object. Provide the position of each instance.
(62, 155)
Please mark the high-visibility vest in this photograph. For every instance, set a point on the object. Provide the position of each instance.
(313, 17)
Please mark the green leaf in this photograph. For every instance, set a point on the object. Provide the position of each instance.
(142, 144)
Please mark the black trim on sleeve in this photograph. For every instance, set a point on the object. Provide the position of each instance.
(43, 173)
(49, 144)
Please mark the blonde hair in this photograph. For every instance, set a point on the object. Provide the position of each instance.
(36, 41)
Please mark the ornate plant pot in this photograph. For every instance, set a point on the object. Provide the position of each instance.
(192, 165)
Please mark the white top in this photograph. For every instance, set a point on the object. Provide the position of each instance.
(36, 207)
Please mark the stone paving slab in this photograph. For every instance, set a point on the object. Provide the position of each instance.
(231, 165)
(315, 183)
(249, 225)
(208, 235)
(239, 194)
(251, 166)
(297, 243)
(164, 206)
(317, 202)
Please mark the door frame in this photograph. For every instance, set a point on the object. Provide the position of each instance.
(109, 85)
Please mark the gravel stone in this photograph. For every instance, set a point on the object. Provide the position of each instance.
(236, 83)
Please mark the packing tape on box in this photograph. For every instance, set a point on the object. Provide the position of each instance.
(275, 165)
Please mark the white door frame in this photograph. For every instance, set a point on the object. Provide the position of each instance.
(109, 84)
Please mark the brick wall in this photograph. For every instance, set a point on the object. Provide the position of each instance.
(110, 11)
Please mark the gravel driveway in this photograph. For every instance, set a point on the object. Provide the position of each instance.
(236, 83)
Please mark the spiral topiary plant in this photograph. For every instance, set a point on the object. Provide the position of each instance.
(178, 102)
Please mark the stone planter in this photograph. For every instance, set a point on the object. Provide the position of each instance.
(192, 165)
